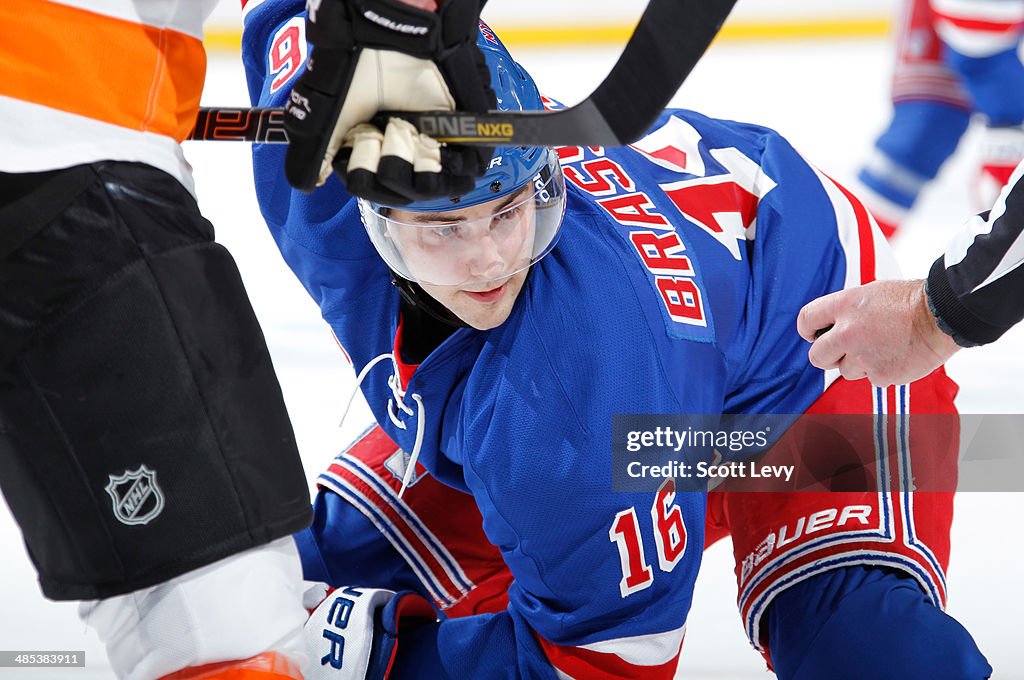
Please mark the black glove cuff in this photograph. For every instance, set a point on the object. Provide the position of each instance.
(460, 21)
(468, 79)
(328, 25)
(328, 71)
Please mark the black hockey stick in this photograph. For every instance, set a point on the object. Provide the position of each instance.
(668, 42)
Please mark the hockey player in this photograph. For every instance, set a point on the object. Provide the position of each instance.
(496, 333)
(144, 446)
(955, 58)
(145, 450)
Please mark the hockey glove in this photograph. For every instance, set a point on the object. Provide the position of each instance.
(353, 634)
(379, 55)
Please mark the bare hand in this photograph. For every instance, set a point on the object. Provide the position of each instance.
(883, 331)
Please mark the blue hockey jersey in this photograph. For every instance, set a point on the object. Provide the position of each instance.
(674, 288)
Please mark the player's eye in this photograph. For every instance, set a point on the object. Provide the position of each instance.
(446, 231)
(507, 216)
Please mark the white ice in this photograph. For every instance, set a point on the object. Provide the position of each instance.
(830, 98)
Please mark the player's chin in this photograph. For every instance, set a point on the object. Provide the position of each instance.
(484, 310)
(484, 317)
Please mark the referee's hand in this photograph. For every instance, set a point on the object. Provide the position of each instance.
(882, 331)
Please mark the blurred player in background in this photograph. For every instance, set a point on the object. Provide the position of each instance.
(954, 59)
(496, 331)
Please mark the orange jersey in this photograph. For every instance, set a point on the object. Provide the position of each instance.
(90, 80)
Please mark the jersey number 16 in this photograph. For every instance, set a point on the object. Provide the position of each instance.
(669, 535)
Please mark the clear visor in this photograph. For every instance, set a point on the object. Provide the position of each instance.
(479, 246)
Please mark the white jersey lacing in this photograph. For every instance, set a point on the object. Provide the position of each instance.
(398, 399)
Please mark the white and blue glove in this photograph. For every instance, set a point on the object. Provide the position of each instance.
(353, 633)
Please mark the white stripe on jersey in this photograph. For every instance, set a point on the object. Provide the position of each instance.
(1013, 259)
(364, 505)
(79, 138)
(653, 649)
(886, 266)
(438, 550)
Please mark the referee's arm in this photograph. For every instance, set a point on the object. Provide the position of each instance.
(976, 290)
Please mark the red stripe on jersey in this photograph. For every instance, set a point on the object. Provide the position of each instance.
(866, 238)
(982, 25)
(405, 370)
(342, 348)
(578, 662)
(449, 519)
(382, 504)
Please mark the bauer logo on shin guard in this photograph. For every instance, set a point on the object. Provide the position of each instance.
(136, 497)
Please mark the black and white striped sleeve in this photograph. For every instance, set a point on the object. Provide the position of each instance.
(976, 290)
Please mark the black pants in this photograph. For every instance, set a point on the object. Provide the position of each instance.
(142, 429)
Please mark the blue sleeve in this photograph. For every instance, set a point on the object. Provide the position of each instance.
(796, 256)
(343, 548)
(261, 25)
(867, 622)
(320, 235)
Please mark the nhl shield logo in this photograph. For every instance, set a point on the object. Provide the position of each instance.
(137, 498)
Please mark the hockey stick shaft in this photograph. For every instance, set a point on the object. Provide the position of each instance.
(668, 42)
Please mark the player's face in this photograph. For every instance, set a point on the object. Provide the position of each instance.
(486, 247)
